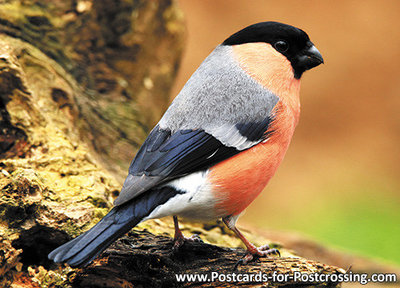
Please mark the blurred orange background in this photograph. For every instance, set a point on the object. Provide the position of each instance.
(339, 182)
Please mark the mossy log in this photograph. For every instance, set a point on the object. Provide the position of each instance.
(81, 85)
(102, 63)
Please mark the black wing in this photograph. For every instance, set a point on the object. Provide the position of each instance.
(165, 155)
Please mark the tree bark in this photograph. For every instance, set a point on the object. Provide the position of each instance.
(81, 84)
(115, 59)
(153, 263)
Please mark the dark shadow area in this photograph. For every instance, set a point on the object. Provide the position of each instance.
(37, 243)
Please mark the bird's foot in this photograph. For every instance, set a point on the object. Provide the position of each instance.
(256, 252)
(179, 241)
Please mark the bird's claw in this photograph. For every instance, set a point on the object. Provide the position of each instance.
(195, 238)
(263, 251)
(178, 242)
(268, 252)
(264, 247)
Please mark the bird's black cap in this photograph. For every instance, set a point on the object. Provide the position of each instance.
(290, 41)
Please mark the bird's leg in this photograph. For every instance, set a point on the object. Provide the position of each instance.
(179, 238)
(252, 250)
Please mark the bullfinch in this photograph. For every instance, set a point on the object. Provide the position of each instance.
(218, 144)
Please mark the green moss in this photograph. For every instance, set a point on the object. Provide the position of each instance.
(99, 213)
(51, 278)
(71, 228)
(99, 202)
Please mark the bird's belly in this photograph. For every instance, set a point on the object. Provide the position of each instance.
(237, 181)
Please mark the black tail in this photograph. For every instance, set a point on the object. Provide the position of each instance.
(86, 247)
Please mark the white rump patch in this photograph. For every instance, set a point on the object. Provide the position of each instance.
(196, 202)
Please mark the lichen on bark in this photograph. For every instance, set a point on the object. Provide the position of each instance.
(76, 80)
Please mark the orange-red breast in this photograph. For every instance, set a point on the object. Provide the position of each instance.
(218, 144)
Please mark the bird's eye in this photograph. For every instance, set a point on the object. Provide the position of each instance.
(281, 46)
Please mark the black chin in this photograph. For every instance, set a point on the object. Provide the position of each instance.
(304, 63)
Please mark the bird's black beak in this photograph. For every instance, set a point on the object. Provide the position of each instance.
(310, 58)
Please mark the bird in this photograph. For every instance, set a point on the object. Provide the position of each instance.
(217, 145)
